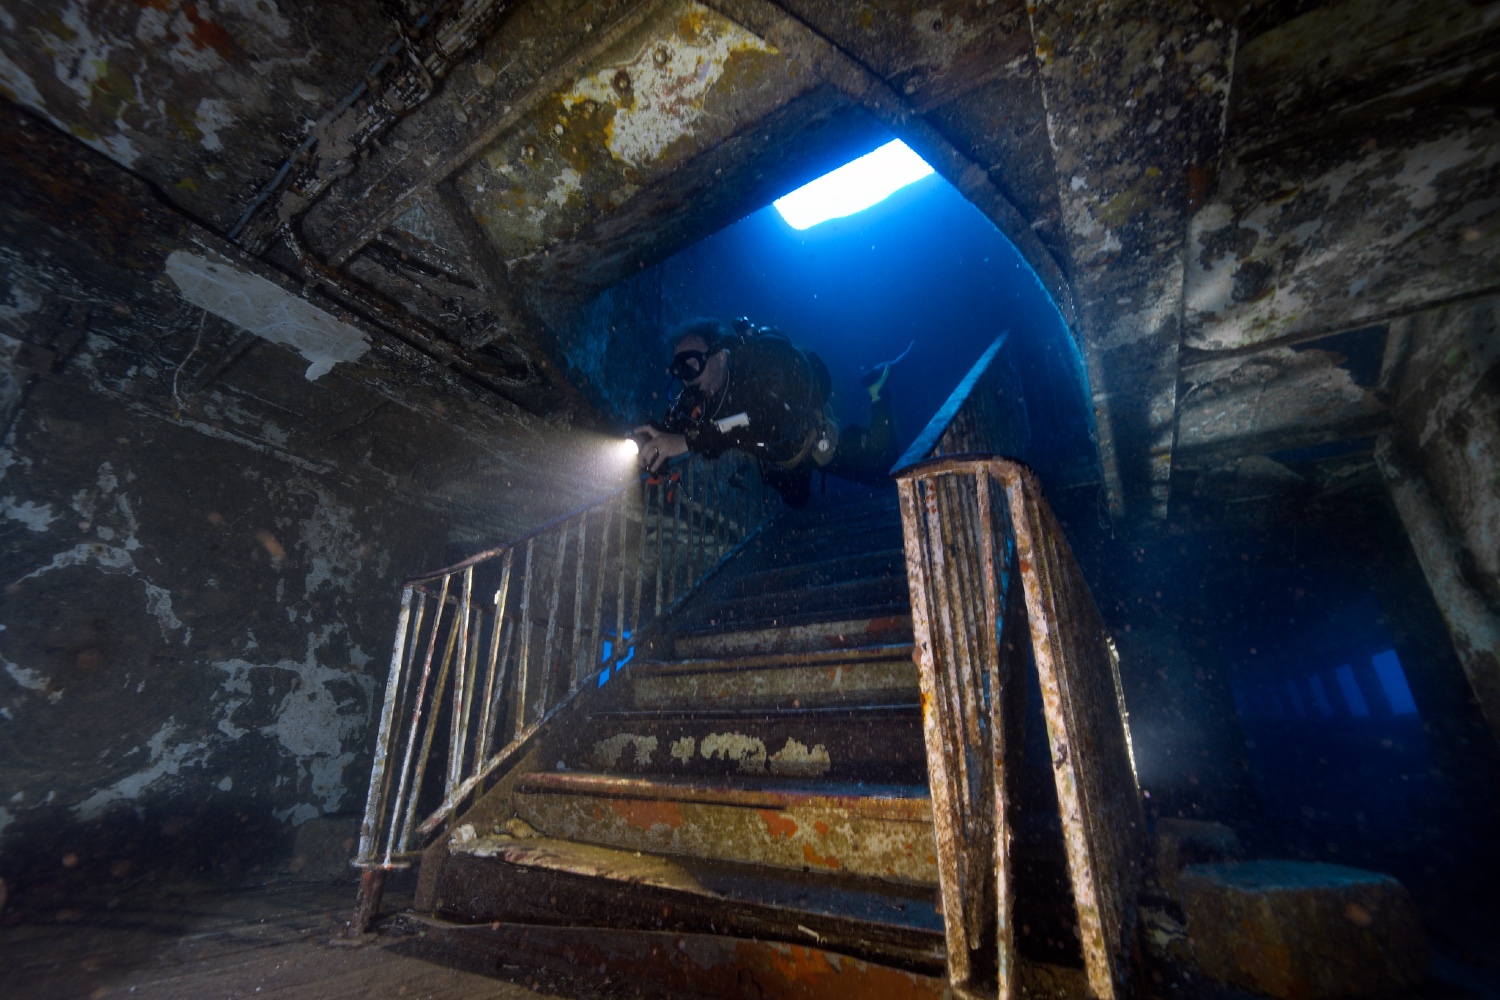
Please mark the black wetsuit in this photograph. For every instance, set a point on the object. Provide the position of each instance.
(778, 388)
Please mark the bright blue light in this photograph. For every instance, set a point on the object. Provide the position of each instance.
(853, 187)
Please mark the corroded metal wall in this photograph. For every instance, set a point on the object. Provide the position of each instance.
(202, 540)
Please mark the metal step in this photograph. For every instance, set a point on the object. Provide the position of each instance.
(831, 601)
(783, 637)
(672, 965)
(860, 829)
(866, 742)
(878, 565)
(541, 880)
(871, 675)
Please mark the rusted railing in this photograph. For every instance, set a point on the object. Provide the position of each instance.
(491, 648)
(992, 578)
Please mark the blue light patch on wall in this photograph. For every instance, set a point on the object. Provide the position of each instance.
(853, 187)
(1350, 690)
(1393, 682)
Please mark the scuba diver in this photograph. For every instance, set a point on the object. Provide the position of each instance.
(751, 388)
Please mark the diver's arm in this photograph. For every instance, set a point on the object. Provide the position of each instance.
(658, 447)
(704, 438)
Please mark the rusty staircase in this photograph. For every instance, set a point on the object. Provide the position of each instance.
(762, 775)
(880, 742)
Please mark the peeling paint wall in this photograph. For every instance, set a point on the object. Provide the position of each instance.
(1135, 98)
(197, 96)
(1442, 464)
(662, 94)
(203, 548)
(1345, 230)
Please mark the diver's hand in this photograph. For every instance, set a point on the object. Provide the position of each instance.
(658, 447)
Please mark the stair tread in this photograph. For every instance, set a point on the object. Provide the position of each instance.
(844, 898)
(856, 619)
(897, 802)
(711, 713)
(810, 658)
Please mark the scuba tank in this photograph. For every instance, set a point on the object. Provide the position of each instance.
(820, 440)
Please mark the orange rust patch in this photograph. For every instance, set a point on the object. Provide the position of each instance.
(813, 858)
(794, 972)
(206, 34)
(800, 964)
(777, 824)
(598, 811)
(810, 973)
(821, 827)
(889, 623)
(643, 815)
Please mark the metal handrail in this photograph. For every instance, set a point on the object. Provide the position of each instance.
(975, 419)
(569, 602)
(994, 584)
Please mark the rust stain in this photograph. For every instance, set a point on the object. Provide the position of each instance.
(1199, 181)
(821, 827)
(777, 824)
(206, 34)
(800, 964)
(796, 972)
(812, 857)
(645, 815)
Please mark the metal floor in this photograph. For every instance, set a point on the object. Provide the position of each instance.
(198, 943)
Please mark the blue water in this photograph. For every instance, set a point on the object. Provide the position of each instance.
(924, 265)
(1315, 745)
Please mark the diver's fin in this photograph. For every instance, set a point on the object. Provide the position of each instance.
(874, 379)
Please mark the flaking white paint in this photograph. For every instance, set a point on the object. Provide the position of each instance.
(36, 517)
(266, 310)
(314, 721)
(669, 77)
(163, 762)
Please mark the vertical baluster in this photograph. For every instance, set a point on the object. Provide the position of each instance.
(375, 799)
(416, 716)
(456, 740)
(596, 641)
(704, 548)
(661, 538)
(1002, 714)
(640, 578)
(552, 607)
(486, 714)
(708, 472)
(419, 775)
(675, 563)
(747, 500)
(690, 483)
(578, 592)
(721, 509)
(411, 694)
(523, 667)
(471, 682)
(509, 645)
(620, 590)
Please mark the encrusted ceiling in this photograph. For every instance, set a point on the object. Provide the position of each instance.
(1231, 204)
